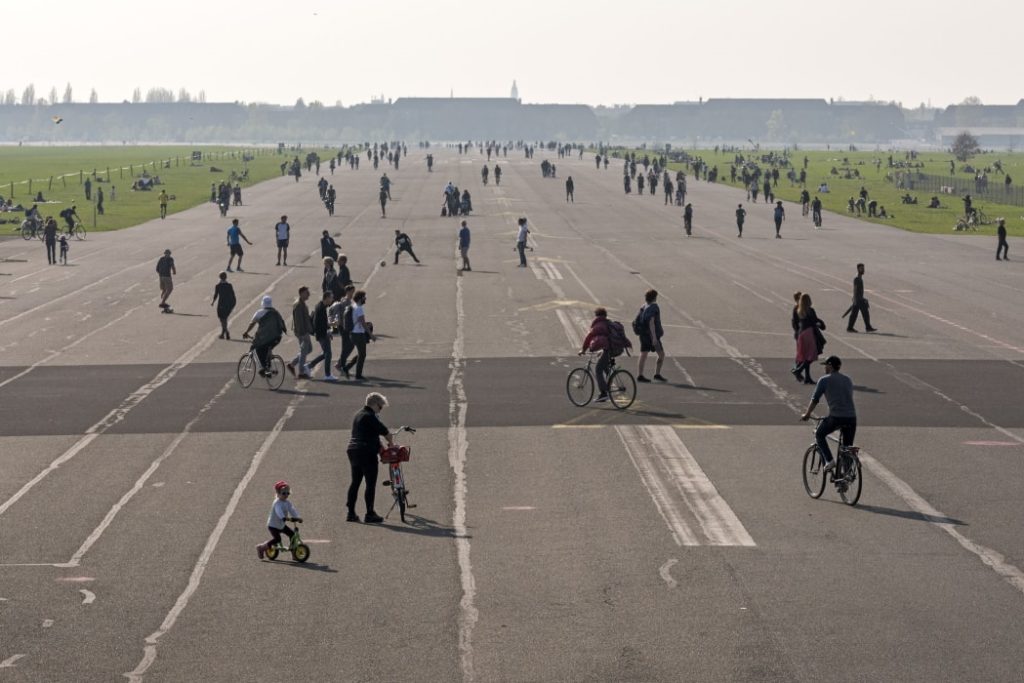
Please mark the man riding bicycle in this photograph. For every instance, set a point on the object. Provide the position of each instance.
(842, 414)
(597, 341)
(268, 335)
(70, 216)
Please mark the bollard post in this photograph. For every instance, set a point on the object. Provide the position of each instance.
(80, 179)
(50, 186)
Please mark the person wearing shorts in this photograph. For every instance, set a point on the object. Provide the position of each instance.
(165, 269)
(235, 237)
(282, 231)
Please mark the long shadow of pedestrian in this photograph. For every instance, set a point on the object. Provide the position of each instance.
(191, 315)
(296, 392)
(867, 390)
(421, 526)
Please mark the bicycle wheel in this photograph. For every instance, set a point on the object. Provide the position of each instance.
(246, 370)
(814, 475)
(853, 480)
(271, 552)
(27, 234)
(275, 373)
(622, 389)
(580, 387)
(300, 553)
(401, 504)
(79, 233)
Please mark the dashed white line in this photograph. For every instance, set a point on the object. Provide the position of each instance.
(88, 597)
(47, 623)
(9, 662)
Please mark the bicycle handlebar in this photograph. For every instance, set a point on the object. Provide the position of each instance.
(403, 428)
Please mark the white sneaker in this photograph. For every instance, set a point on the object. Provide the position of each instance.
(330, 378)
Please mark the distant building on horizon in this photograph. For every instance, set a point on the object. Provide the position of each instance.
(515, 90)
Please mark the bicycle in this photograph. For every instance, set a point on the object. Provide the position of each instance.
(249, 365)
(298, 549)
(78, 231)
(31, 229)
(579, 385)
(393, 457)
(846, 475)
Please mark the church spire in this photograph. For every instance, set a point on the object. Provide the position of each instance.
(515, 90)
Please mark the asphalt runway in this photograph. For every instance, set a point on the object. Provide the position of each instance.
(671, 541)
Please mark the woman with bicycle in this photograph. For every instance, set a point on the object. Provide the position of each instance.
(363, 448)
(597, 342)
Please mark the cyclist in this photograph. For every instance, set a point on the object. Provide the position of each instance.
(281, 510)
(842, 414)
(70, 216)
(597, 341)
(271, 327)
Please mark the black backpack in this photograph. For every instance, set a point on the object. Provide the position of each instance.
(638, 322)
(617, 339)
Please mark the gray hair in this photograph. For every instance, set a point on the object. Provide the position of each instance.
(376, 398)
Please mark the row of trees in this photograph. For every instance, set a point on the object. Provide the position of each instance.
(28, 96)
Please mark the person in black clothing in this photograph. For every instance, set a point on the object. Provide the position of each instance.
(328, 247)
(322, 334)
(224, 297)
(570, 188)
(99, 200)
(363, 449)
(165, 269)
(50, 237)
(343, 273)
(809, 340)
(403, 243)
(860, 304)
(688, 219)
(1002, 246)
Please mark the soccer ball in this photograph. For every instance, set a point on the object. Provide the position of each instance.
(383, 263)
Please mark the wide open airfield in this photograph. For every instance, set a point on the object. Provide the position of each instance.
(669, 542)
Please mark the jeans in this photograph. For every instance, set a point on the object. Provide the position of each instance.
(305, 348)
(325, 354)
(275, 536)
(521, 246)
(346, 349)
(364, 466)
(861, 309)
(601, 372)
(359, 340)
(1002, 247)
(847, 426)
(51, 251)
(399, 250)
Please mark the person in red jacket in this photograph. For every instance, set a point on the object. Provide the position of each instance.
(597, 341)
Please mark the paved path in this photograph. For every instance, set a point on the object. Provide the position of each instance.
(669, 542)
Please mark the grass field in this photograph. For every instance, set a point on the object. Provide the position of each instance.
(916, 218)
(59, 173)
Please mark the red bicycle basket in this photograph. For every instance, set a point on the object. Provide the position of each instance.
(393, 454)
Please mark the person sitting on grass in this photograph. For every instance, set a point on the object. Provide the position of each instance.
(934, 203)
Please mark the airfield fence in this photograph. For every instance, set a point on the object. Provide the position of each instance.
(995, 190)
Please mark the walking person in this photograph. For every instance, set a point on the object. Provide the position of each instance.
(302, 327)
(780, 215)
(331, 282)
(224, 297)
(688, 219)
(464, 246)
(521, 238)
(343, 273)
(362, 332)
(99, 200)
(341, 312)
(50, 237)
(809, 341)
(403, 243)
(163, 198)
(647, 326)
(860, 304)
(283, 233)
(165, 269)
(570, 188)
(235, 237)
(741, 215)
(363, 448)
(328, 247)
(64, 249)
(1002, 246)
(383, 197)
(322, 334)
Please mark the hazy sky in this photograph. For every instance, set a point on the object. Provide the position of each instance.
(569, 51)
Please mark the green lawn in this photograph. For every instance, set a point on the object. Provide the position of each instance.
(915, 218)
(59, 172)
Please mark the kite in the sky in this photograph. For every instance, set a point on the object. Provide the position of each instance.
(57, 120)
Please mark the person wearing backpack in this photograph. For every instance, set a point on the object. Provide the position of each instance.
(597, 341)
(268, 335)
(647, 326)
(340, 314)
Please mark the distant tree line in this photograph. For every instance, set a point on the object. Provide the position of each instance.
(9, 97)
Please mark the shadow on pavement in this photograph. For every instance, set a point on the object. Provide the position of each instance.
(309, 566)
(867, 390)
(421, 526)
(906, 514)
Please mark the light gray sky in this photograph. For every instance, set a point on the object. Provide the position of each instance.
(568, 51)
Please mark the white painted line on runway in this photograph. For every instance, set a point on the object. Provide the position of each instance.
(551, 270)
(149, 649)
(537, 272)
(571, 331)
(9, 662)
(108, 519)
(457, 447)
(693, 426)
(991, 443)
(638, 453)
(989, 557)
(63, 458)
(753, 291)
(47, 623)
(567, 426)
(664, 572)
(590, 293)
(88, 597)
(518, 508)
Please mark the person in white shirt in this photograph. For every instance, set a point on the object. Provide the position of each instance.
(280, 511)
(521, 242)
(283, 233)
(362, 332)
